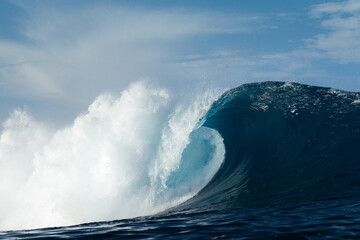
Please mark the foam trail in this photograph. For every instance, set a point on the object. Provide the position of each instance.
(122, 158)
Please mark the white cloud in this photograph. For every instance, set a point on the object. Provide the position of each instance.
(350, 6)
(342, 22)
(78, 54)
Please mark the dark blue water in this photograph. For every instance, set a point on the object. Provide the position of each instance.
(291, 171)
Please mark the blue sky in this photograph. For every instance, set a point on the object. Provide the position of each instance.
(57, 56)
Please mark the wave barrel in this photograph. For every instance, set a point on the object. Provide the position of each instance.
(284, 143)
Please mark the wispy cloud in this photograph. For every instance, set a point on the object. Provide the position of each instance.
(341, 21)
(75, 54)
(350, 6)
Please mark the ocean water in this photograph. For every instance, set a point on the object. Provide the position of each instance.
(269, 160)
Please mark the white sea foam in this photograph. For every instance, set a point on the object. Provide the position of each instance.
(126, 156)
(357, 101)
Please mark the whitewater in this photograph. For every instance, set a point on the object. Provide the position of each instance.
(132, 154)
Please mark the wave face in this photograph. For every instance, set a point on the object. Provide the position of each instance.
(284, 143)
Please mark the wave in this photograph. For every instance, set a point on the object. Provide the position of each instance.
(141, 153)
(129, 155)
(285, 143)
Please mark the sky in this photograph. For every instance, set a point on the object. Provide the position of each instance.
(56, 57)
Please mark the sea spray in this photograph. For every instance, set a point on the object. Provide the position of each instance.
(112, 162)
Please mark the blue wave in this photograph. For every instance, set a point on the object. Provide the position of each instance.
(291, 171)
(285, 142)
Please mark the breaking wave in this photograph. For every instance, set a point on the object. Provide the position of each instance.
(129, 155)
(140, 153)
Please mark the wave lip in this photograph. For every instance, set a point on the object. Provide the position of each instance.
(284, 142)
